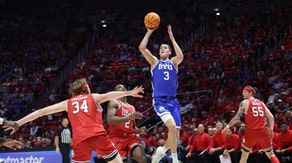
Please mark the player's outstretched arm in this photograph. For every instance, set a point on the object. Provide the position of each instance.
(100, 98)
(59, 107)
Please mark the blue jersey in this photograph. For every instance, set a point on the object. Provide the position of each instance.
(164, 79)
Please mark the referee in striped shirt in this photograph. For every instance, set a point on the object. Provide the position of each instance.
(63, 140)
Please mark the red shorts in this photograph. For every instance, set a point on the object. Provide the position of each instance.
(126, 144)
(100, 143)
(261, 136)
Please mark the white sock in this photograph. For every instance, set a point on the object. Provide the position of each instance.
(174, 156)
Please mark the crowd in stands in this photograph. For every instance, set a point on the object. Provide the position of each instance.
(32, 53)
(235, 49)
(207, 142)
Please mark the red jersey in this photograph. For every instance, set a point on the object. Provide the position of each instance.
(123, 129)
(85, 117)
(255, 116)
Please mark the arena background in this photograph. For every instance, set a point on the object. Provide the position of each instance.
(45, 45)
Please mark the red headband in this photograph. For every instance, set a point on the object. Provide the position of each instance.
(249, 90)
(81, 88)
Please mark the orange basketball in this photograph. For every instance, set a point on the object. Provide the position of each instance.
(152, 20)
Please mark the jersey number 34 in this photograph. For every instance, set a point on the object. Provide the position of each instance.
(80, 106)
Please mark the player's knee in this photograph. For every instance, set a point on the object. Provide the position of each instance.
(172, 127)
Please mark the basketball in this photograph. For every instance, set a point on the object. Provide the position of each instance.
(152, 20)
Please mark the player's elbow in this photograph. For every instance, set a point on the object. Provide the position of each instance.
(180, 57)
(142, 48)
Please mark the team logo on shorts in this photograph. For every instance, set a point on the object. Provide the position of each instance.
(161, 108)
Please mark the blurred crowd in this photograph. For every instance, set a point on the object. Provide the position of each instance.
(253, 46)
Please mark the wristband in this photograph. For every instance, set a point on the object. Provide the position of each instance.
(227, 126)
(1, 121)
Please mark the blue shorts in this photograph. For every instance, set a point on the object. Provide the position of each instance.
(170, 105)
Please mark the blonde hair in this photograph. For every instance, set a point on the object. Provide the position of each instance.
(78, 87)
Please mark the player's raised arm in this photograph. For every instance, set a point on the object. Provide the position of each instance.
(151, 59)
(178, 58)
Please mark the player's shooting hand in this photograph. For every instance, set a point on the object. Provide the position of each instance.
(12, 144)
(152, 30)
(135, 92)
(10, 125)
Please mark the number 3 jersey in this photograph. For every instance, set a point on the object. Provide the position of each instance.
(85, 117)
(123, 129)
(164, 79)
(255, 116)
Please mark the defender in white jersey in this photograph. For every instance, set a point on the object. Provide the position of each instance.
(164, 83)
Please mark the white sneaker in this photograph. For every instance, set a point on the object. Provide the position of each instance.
(158, 155)
(176, 161)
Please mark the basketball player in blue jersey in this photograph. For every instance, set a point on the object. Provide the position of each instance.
(164, 83)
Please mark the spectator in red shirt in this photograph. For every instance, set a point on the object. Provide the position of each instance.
(210, 131)
(191, 138)
(217, 141)
(183, 137)
(275, 141)
(285, 142)
(231, 146)
(241, 130)
(197, 152)
(148, 138)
